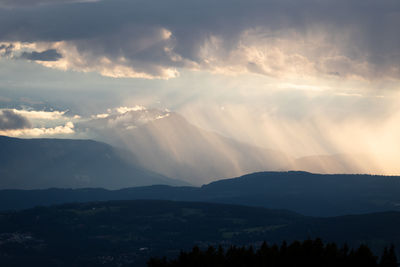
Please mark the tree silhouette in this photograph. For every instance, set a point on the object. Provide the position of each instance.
(309, 253)
(388, 258)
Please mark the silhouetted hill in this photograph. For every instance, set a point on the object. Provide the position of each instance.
(311, 194)
(305, 193)
(127, 233)
(65, 163)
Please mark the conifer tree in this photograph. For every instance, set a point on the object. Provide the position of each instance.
(388, 258)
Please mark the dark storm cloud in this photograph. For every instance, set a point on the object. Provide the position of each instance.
(48, 55)
(365, 32)
(9, 120)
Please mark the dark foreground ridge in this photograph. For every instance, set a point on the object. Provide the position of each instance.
(302, 192)
(310, 253)
(128, 233)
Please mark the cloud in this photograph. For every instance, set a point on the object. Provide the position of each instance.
(123, 110)
(147, 39)
(123, 118)
(67, 129)
(36, 123)
(40, 114)
(9, 120)
(19, 123)
(47, 55)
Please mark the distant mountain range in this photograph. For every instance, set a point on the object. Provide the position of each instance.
(167, 143)
(305, 193)
(127, 233)
(147, 147)
(64, 163)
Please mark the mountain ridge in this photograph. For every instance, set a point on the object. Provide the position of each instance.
(302, 192)
(173, 146)
(44, 162)
(167, 143)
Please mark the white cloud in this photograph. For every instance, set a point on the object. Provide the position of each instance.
(122, 118)
(40, 123)
(101, 116)
(123, 110)
(67, 129)
(40, 115)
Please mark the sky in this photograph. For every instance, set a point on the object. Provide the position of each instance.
(304, 77)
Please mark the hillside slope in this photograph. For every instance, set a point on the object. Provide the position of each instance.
(127, 233)
(65, 163)
(305, 193)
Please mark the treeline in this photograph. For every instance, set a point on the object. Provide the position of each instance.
(308, 253)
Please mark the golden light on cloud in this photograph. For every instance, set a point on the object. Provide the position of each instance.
(282, 54)
(71, 58)
(124, 109)
(43, 115)
(115, 68)
(67, 129)
(288, 54)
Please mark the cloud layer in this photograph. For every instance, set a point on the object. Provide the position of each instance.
(9, 120)
(31, 123)
(156, 39)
